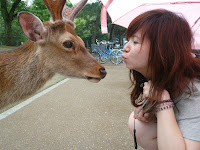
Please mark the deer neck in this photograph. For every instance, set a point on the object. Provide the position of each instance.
(34, 65)
(23, 72)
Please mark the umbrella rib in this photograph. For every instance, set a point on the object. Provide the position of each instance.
(196, 22)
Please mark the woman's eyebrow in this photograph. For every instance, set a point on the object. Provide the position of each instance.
(136, 36)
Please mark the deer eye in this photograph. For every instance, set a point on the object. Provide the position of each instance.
(68, 44)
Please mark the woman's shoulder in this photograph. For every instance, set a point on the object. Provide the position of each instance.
(196, 84)
(188, 103)
(189, 100)
(187, 111)
(191, 91)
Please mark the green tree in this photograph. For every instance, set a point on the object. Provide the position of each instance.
(87, 21)
(10, 31)
(88, 25)
(9, 10)
(39, 9)
(2, 30)
(91, 25)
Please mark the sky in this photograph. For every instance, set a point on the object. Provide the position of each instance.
(76, 1)
(72, 1)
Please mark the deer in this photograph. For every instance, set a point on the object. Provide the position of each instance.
(52, 47)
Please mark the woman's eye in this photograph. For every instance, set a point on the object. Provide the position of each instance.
(67, 44)
(135, 42)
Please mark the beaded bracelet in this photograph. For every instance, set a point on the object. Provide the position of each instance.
(165, 107)
(165, 101)
(164, 104)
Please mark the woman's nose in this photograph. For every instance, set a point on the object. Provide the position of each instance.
(126, 49)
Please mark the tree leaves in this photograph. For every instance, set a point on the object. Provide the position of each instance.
(87, 21)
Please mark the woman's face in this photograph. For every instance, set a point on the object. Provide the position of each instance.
(136, 54)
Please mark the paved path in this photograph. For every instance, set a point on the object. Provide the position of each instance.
(76, 115)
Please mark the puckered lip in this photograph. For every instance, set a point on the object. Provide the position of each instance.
(123, 58)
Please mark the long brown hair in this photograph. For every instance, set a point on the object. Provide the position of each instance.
(171, 65)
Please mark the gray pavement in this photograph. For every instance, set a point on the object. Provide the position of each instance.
(77, 115)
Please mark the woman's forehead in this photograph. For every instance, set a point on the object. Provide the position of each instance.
(137, 34)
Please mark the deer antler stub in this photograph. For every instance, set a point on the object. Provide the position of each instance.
(70, 13)
(55, 8)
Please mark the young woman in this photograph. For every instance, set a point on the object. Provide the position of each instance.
(164, 73)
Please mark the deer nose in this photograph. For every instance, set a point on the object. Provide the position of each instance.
(103, 72)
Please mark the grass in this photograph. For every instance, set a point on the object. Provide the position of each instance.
(5, 48)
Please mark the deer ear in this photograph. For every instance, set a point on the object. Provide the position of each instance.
(31, 25)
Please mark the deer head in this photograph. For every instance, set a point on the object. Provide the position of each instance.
(58, 46)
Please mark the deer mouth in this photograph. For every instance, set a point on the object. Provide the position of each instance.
(97, 79)
(93, 79)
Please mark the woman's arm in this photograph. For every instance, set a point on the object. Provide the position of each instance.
(192, 145)
(169, 135)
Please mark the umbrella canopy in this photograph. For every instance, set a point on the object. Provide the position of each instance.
(123, 12)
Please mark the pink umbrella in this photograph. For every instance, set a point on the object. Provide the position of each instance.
(123, 12)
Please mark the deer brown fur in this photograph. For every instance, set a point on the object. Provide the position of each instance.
(53, 48)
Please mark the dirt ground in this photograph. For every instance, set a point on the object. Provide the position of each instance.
(77, 115)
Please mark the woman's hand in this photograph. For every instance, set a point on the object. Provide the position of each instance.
(146, 89)
(145, 117)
